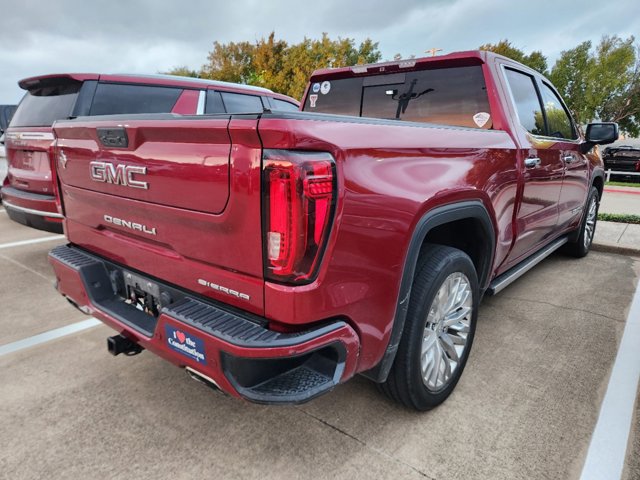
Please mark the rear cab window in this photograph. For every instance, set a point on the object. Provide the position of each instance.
(455, 96)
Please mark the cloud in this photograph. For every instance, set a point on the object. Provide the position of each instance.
(147, 36)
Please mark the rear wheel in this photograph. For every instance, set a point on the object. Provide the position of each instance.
(438, 330)
(581, 246)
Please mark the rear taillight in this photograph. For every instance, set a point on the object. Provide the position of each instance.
(299, 201)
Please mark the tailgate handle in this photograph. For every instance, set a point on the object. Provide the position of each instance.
(115, 137)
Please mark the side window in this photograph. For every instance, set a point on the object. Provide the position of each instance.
(114, 98)
(282, 105)
(214, 103)
(558, 120)
(526, 101)
(240, 103)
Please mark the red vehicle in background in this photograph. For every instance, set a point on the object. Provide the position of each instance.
(28, 193)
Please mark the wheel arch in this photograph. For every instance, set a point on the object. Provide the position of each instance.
(433, 223)
(598, 182)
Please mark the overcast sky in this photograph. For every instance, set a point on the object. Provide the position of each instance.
(148, 36)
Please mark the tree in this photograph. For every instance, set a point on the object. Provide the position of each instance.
(618, 82)
(183, 71)
(281, 67)
(232, 62)
(535, 59)
(602, 84)
(571, 75)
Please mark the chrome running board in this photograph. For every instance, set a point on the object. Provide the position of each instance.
(507, 278)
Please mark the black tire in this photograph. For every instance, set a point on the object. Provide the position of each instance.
(581, 246)
(405, 383)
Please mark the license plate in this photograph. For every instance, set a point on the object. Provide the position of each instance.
(27, 160)
(142, 293)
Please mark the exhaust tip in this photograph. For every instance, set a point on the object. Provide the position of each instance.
(201, 378)
(119, 344)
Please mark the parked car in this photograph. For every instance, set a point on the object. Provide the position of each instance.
(624, 159)
(277, 254)
(29, 194)
(6, 112)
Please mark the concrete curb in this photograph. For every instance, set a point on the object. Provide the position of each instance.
(607, 247)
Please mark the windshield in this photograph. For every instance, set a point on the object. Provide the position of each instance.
(449, 96)
(43, 106)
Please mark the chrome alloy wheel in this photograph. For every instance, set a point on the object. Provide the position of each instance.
(590, 224)
(446, 332)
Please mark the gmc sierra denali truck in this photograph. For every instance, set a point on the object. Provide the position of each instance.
(28, 191)
(275, 255)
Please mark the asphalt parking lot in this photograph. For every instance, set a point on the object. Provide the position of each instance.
(525, 408)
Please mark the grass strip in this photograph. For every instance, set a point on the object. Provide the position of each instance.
(619, 218)
(622, 184)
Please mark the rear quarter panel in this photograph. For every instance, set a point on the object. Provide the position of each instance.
(389, 175)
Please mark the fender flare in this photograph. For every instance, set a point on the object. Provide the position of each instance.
(598, 173)
(433, 218)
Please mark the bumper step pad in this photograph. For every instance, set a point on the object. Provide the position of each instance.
(262, 365)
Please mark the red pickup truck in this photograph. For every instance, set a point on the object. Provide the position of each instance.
(275, 255)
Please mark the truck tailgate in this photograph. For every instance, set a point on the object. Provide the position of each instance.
(165, 195)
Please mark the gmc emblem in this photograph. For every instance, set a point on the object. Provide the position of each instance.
(118, 174)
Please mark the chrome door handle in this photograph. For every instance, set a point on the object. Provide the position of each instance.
(568, 159)
(531, 162)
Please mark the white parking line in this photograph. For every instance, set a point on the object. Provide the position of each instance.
(2, 210)
(607, 451)
(30, 242)
(48, 336)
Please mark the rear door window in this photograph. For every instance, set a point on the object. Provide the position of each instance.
(115, 98)
(43, 106)
(241, 103)
(449, 96)
(526, 101)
